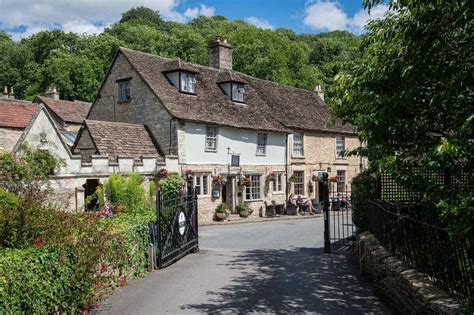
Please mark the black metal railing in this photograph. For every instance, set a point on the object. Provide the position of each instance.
(412, 234)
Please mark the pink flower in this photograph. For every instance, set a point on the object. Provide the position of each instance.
(39, 242)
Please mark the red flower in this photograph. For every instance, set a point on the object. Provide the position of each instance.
(39, 242)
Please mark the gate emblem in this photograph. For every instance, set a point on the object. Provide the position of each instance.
(181, 223)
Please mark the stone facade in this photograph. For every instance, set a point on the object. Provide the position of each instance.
(143, 108)
(411, 292)
(8, 138)
(319, 154)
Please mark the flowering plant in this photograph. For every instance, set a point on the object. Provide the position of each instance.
(162, 173)
(315, 178)
(106, 211)
(217, 179)
(333, 179)
(272, 176)
(190, 173)
(247, 181)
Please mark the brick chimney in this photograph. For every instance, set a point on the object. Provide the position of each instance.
(220, 54)
(319, 91)
(53, 93)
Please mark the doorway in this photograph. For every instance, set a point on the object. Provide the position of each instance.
(90, 188)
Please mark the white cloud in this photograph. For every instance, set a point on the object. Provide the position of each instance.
(330, 16)
(201, 10)
(82, 16)
(258, 22)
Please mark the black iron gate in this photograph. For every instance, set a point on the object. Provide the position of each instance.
(339, 229)
(176, 232)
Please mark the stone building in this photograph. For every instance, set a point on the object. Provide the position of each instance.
(225, 126)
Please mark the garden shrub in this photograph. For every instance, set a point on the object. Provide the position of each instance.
(171, 187)
(363, 189)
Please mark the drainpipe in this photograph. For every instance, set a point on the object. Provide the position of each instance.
(286, 166)
(171, 126)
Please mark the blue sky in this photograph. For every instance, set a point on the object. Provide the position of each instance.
(21, 18)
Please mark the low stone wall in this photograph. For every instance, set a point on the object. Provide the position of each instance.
(409, 291)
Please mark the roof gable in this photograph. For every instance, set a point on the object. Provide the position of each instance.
(68, 111)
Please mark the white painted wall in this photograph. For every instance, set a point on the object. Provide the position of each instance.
(239, 140)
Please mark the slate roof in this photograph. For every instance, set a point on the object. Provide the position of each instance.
(269, 106)
(16, 113)
(121, 139)
(68, 111)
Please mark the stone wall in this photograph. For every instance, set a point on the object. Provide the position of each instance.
(9, 138)
(319, 153)
(143, 108)
(409, 291)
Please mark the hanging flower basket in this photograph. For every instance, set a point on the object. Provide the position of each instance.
(247, 181)
(315, 178)
(271, 176)
(333, 179)
(292, 178)
(217, 180)
(162, 173)
(189, 174)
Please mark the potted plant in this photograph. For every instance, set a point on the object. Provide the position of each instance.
(292, 178)
(243, 210)
(222, 211)
(333, 179)
(272, 176)
(247, 181)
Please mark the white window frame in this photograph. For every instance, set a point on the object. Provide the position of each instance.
(297, 183)
(278, 183)
(262, 143)
(298, 147)
(187, 82)
(124, 91)
(204, 188)
(254, 190)
(237, 92)
(211, 137)
(340, 149)
(341, 179)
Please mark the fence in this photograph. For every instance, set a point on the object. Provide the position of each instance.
(411, 233)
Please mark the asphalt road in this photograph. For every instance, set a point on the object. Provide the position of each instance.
(271, 267)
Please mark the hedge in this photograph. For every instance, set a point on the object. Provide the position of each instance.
(44, 280)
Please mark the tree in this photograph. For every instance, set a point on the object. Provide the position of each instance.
(143, 14)
(410, 96)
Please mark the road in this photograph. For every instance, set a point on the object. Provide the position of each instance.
(271, 267)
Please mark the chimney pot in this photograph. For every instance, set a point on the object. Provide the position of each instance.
(220, 54)
(53, 93)
(12, 93)
(319, 91)
(5, 91)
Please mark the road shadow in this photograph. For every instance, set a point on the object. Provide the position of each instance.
(296, 280)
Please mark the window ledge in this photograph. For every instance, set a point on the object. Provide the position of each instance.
(254, 200)
(126, 101)
(278, 193)
(260, 154)
(298, 157)
(210, 151)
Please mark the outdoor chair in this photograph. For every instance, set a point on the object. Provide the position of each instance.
(290, 209)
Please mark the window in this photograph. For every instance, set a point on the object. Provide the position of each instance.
(261, 143)
(299, 183)
(238, 92)
(298, 144)
(252, 192)
(340, 146)
(277, 183)
(211, 138)
(124, 91)
(201, 184)
(341, 181)
(187, 82)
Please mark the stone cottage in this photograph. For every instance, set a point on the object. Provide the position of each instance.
(226, 127)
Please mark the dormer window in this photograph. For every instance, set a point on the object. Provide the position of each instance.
(238, 91)
(187, 82)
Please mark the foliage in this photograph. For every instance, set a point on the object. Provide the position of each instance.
(27, 169)
(172, 187)
(222, 208)
(363, 189)
(128, 192)
(240, 207)
(77, 64)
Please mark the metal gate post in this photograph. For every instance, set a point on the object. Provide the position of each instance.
(327, 241)
(159, 251)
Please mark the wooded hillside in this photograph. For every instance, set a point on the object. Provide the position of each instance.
(76, 64)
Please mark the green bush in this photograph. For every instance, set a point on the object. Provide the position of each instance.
(171, 187)
(240, 207)
(363, 189)
(222, 208)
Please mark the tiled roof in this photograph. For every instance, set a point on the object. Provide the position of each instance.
(16, 113)
(268, 105)
(69, 111)
(121, 139)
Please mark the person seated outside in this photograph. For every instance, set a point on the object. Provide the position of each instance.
(336, 203)
(302, 205)
(290, 205)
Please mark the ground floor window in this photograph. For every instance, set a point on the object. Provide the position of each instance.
(252, 191)
(201, 184)
(277, 182)
(341, 181)
(299, 182)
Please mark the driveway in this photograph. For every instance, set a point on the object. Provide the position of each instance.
(271, 267)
